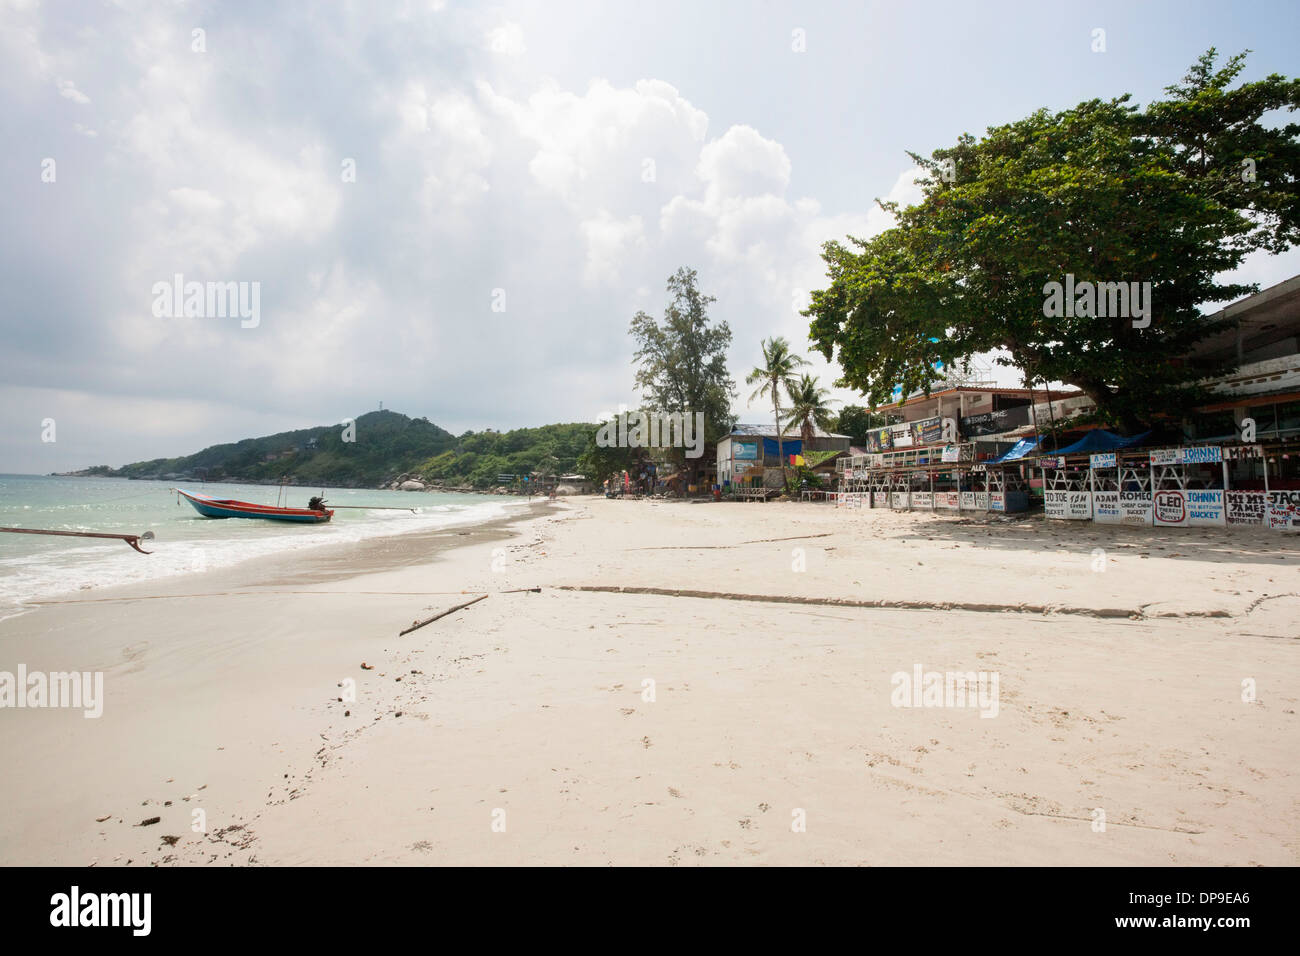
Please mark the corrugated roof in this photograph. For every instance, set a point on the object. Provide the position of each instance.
(769, 431)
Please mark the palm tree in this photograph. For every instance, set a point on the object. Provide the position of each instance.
(776, 373)
(809, 408)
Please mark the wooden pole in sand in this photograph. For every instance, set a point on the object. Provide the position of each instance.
(415, 626)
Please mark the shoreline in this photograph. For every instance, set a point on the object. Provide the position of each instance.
(634, 712)
(182, 553)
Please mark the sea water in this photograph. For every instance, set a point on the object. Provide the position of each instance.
(39, 567)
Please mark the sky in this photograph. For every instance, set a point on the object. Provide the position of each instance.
(456, 208)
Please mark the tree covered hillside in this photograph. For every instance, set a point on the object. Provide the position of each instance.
(478, 458)
(385, 444)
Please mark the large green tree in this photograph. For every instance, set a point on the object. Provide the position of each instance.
(1102, 193)
(682, 362)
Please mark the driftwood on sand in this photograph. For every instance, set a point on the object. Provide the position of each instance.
(416, 625)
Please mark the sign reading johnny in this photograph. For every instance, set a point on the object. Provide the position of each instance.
(1200, 455)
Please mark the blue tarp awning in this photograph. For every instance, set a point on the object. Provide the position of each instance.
(1019, 450)
(1100, 440)
(789, 446)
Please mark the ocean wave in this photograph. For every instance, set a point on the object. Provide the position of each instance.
(50, 571)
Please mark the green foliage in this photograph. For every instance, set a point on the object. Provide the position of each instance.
(809, 408)
(1103, 191)
(478, 458)
(599, 463)
(682, 363)
(386, 444)
(776, 373)
(855, 421)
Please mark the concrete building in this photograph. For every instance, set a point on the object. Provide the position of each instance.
(748, 455)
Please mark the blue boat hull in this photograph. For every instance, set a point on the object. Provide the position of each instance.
(219, 508)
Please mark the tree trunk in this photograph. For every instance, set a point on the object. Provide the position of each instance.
(780, 445)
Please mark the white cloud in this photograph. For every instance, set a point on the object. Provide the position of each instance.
(743, 163)
(610, 242)
(507, 39)
(68, 90)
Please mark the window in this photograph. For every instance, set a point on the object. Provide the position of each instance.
(1288, 416)
(1264, 418)
(1213, 425)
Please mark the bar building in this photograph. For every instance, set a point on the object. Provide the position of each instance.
(979, 447)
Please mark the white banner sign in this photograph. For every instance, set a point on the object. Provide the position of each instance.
(1105, 507)
(1208, 454)
(1068, 505)
(1105, 459)
(1135, 507)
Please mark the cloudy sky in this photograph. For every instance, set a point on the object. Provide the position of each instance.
(559, 159)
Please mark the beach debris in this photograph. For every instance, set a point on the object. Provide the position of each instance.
(102, 819)
(171, 840)
(367, 667)
(132, 539)
(416, 625)
(149, 822)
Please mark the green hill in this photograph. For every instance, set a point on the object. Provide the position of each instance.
(386, 444)
(478, 458)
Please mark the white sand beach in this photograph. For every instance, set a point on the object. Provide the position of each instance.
(594, 727)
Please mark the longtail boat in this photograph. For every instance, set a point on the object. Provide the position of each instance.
(211, 507)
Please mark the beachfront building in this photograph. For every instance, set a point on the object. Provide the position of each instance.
(1236, 460)
(749, 457)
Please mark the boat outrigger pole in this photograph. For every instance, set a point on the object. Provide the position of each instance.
(132, 539)
(375, 508)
